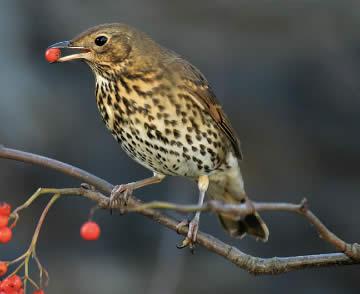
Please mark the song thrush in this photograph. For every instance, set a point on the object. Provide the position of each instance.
(164, 114)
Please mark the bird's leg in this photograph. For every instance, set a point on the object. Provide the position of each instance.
(203, 184)
(121, 193)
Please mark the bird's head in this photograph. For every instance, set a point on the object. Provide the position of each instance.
(110, 48)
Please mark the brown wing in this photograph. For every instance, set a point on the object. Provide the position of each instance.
(195, 83)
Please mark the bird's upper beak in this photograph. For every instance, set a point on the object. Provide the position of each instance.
(68, 45)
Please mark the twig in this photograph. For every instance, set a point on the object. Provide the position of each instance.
(31, 251)
(254, 265)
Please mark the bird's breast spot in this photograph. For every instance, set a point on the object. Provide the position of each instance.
(110, 113)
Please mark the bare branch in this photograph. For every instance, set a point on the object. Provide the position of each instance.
(56, 165)
(254, 265)
(351, 250)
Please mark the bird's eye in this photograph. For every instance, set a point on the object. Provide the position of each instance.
(100, 41)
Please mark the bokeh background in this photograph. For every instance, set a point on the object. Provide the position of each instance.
(286, 73)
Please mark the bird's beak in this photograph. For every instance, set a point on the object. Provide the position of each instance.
(68, 45)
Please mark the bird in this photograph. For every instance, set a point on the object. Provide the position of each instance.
(163, 112)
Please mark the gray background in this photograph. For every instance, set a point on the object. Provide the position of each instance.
(286, 73)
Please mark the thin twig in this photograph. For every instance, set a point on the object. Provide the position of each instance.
(31, 251)
(254, 265)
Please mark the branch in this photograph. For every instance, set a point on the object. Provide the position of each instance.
(254, 265)
(56, 165)
(351, 250)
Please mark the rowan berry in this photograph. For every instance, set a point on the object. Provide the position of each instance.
(4, 220)
(2, 286)
(5, 285)
(90, 231)
(5, 208)
(5, 235)
(3, 268)
(39, 292)
(52, 54)
(16, 282)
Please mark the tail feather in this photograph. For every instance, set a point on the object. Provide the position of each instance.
(251, 224)
(229, 186)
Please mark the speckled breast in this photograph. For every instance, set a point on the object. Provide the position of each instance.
(161, 127)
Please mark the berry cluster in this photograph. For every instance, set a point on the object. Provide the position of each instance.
(5, 232)
(13, 283)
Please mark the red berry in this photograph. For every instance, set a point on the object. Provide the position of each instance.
(21, 291)
(1, 286)
(15, 282)
(5, 208)
(3, 268)
(4, 220)
(5, 285)
(11, 285)
(52, 54)
(39, 292)
(90, 231)
(5, 235)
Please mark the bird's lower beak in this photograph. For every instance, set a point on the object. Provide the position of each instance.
(68, 45)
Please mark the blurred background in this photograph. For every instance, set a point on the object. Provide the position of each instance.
(287, 75)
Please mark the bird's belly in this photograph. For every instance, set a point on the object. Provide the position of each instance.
(166, 157)
(169, 150)
(166, 136)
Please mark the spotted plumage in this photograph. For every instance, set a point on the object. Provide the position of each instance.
(164, 114)
(138, 113)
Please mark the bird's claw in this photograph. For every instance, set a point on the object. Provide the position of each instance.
(183, 223)
(191, 234)
(119, 196)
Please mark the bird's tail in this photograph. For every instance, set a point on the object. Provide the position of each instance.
(229, 186)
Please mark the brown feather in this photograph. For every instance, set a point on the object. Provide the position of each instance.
(196, 84)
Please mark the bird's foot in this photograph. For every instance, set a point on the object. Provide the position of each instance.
(191, 235)
(120, 195)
